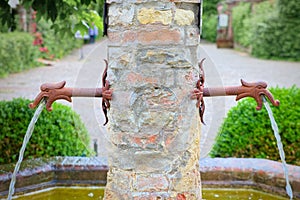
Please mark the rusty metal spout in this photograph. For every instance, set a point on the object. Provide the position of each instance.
(55, 91)
(255, 90)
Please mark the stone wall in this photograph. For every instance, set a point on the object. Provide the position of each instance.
(154, 126)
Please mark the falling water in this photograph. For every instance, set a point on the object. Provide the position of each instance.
(21, 153)
(280, 148)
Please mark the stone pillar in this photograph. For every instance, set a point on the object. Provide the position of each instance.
(154, 127)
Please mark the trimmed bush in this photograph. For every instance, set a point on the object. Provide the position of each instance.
(277, 39)
(209, 30)
(247, 133)
(57, 133)
(289, 8)
(16, 52)
(270, 30)
(242, 33)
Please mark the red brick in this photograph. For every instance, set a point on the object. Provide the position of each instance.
(137, 78)
(114, 37)
(122, 37)
(163, 36)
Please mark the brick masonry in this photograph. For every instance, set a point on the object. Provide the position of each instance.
(154, 127)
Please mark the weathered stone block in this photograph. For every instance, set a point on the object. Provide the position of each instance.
(120, 15)
(153, 182)
(145, 1)
(149, 16)
(184, 17)
(192, 36)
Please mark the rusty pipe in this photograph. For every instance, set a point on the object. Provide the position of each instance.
(86, 92)
(56, 91)
(254, 90)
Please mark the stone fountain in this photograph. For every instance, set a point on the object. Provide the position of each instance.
(151, 84)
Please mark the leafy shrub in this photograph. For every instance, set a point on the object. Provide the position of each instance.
(275, 35)
(289, 8)
(241, 30)
(247, 133)
(16, 52)
(277, 39)
(58, 44)
(270, 30)
(209, 30)
(210, 20)
(57, 133)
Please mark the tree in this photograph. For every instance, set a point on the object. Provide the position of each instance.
(67, 15)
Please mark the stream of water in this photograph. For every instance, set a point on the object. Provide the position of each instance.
(42, 104)
(288, 187)
(22, 150)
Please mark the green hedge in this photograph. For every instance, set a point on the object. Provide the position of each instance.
(57, 133)
(16, 52)
(209, 28)
(277, 39)
(241, 26)
(289, 8)
(247, 133)
(209, 20)
(270, 30)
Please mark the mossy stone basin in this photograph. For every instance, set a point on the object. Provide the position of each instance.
(96, 193)
(259, 176)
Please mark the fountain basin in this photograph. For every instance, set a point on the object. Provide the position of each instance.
(259, 174)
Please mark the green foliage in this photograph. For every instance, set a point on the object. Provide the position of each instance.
(54, 10)
(209, 20)
(277, 39)
(242, 33)
(67, 16)
(98, 5)
(247, 133)
(57, 133)
(5, 16)
(16, 52)
(64, 15)
(209, 29)
(87, 19)
(289, 8)
(58, 45)
(246, 18)
(210, 7)
(274, 35)
(270, 30)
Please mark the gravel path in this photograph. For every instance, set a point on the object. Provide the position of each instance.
(223, 67)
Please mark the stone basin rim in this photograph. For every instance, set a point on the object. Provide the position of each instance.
(259, 174)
